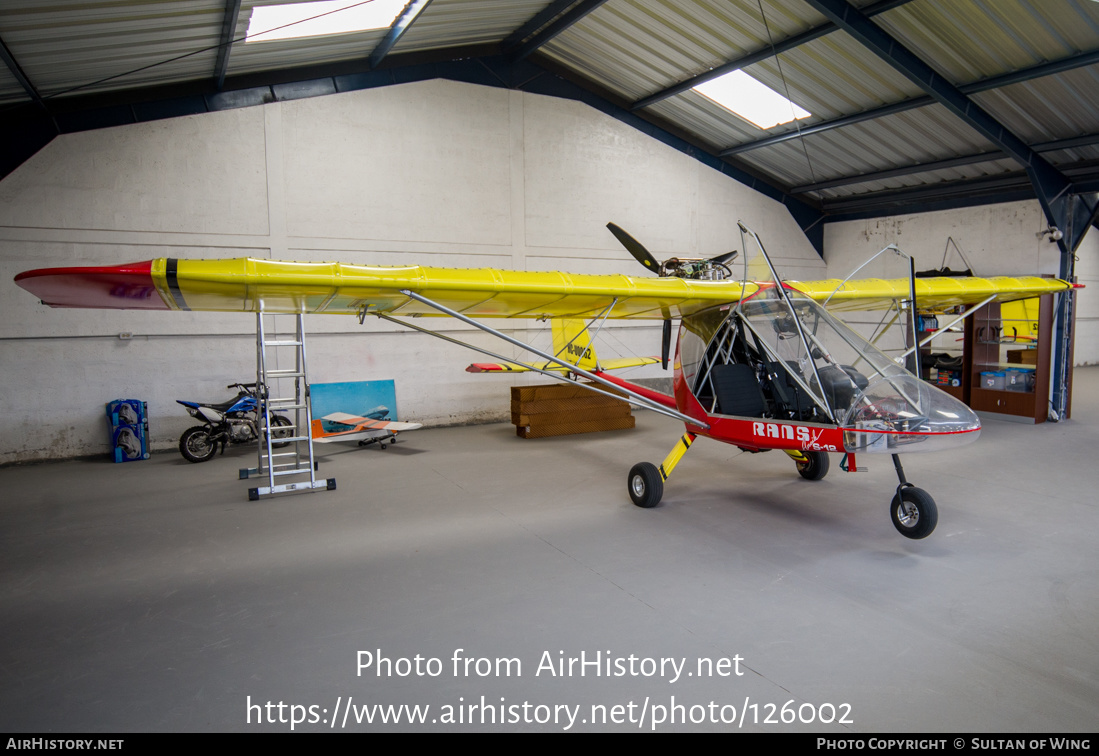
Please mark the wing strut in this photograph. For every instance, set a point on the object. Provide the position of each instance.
(969, 311)
(491, 354)
(634, 396)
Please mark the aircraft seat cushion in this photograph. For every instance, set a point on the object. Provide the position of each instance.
(839, 387)
(738, 392)
(788, 395)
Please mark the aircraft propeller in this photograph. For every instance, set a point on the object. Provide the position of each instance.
(697, 268)
(711, 269)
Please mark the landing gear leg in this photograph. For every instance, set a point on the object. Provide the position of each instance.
(646, 481)
(912, 510)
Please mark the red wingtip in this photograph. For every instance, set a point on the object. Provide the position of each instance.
(112, 287)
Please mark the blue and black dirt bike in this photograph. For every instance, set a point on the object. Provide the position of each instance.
(236, 421)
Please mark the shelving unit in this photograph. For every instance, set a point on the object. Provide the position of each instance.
(938, 346)
(994, 343)
(997, 348)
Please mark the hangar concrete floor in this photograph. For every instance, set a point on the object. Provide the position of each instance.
(154, 596)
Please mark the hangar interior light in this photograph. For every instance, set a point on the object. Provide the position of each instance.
(752, 100)
(321, 18)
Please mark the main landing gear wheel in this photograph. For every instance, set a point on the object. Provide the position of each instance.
(196, 446)
(817, 466)
(646, 485)
(914, 513)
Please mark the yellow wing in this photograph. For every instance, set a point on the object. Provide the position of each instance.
(931, 293)
(241, 285)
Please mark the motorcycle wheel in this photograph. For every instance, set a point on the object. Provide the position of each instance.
(196, 445)
(283, 429)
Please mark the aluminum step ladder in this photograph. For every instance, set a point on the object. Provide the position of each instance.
(285, 452)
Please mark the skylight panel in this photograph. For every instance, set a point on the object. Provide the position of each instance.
(321, 18)
(751, 100)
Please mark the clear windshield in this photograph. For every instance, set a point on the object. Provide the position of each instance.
(772, 324)
(770, 317)
(867, 392)
(879, 403)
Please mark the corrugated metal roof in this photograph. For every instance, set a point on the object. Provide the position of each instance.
(630, 50)
(65, 47)
(636, 47)
(10, 88)
(250, 57)
(453, 23)
(867, 147)
(1036, 110)
(975, 39)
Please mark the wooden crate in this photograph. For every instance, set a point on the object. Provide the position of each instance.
(565, 409)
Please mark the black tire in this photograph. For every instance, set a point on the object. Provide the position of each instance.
(817, 466)
(645, 485)
(196, 445)
(914, 513)
(281, 422)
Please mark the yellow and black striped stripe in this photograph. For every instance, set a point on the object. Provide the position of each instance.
(676, 454)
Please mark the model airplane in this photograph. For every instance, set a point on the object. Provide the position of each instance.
(759, 364)
(370, 428)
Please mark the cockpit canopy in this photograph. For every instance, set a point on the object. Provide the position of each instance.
(808, 366)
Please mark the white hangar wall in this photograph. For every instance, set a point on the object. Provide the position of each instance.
(439, 173)
(997, 240)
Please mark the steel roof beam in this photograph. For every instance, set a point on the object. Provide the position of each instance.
(1086, 186)
(759, 55)
(1049, 184)
(980, 191)
(408, 17)
(984, 85)
(835, 123)
(968, 187)
(907, 170)
(228, 30)
(17, 72)
(539, 20)
(562, 24)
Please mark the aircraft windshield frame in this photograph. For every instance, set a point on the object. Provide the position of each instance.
(769, 293)
(816, 331)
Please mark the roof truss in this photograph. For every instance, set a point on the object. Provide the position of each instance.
(516, 63)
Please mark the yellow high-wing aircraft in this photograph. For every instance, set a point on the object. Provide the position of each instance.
(758, 364)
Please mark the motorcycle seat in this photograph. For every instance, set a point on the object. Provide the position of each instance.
(224, 406)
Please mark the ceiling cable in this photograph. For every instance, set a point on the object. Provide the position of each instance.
(786, 87)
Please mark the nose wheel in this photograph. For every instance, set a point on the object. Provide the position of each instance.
(914, 513)
(912, 510)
